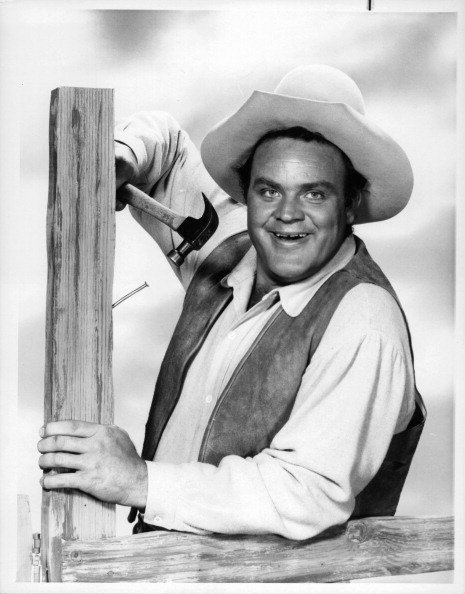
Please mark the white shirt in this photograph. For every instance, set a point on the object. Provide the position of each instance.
(356, 393)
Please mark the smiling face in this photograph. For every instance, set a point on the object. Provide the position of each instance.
(297, 216)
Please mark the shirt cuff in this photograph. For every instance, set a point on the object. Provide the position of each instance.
(163, 481)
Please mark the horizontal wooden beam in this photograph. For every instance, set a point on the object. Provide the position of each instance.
(363, 548)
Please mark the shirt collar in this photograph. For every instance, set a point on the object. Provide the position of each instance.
(293, 297)
(241, 279)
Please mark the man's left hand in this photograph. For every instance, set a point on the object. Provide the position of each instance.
(104, 459)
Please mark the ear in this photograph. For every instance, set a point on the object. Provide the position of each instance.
(351, 208)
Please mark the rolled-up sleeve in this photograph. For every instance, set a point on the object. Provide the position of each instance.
(355, 394)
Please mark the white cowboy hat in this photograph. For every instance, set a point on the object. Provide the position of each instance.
(325, 100)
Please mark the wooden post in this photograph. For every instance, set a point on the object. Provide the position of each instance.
(80, 246)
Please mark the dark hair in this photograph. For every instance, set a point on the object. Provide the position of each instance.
(354, 181)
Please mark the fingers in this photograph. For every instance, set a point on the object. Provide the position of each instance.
(61, 460)
(72, 428)
(63, 480)
(63, 443)
(119, 205)
(120, 201)
(125, 164)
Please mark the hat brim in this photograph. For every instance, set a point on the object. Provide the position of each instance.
(373, 152)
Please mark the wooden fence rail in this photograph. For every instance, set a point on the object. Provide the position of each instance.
(364, 548)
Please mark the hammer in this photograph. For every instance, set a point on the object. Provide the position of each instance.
(194, 232)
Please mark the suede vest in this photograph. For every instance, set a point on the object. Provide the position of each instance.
(259, 397)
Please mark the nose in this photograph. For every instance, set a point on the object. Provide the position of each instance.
(289, 210)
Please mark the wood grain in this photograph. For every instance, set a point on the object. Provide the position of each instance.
(363, 548)
(80, 248)
(23, 539)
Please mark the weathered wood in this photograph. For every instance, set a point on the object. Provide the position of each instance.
(23, 539)
(80, 246)
(364, 548)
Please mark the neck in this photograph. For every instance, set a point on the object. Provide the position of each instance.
(255, 296)
(259, 290)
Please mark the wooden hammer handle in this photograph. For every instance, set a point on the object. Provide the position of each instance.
(142, 201)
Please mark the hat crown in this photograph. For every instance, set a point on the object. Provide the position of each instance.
(322, 83)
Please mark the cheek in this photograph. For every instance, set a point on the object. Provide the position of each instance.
(331, 220)
(257, 214)
(250, 217)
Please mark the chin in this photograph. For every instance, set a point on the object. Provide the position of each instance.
(287, 277)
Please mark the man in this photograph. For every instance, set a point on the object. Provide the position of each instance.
(286, 402)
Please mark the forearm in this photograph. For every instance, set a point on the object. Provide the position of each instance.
(244, 496)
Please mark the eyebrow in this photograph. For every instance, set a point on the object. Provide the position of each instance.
(306, 186)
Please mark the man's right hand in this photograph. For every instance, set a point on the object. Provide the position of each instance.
(125, 169)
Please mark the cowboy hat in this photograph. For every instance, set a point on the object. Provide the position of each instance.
(322, 99)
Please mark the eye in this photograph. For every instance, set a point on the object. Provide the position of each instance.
(314, 196)
(269, 193)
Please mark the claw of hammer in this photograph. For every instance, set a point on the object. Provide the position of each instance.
(194, 232)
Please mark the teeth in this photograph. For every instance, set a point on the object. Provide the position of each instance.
(290, 235)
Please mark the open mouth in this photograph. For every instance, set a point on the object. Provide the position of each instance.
(290, 236)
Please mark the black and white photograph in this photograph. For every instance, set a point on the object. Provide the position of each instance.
(232, 296)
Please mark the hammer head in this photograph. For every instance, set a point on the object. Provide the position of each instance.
(195, 232)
